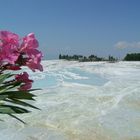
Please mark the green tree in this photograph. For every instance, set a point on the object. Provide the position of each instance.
(60, 57)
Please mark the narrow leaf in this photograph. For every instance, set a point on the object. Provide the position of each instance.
(19, 102)
(3, 77)
(16, 118)
(5, 109)
(2, 97)
(18, 95)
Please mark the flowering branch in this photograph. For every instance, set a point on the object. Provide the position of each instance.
(16, 52)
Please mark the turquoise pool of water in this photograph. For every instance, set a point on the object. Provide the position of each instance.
(90, 78)
(70, 75)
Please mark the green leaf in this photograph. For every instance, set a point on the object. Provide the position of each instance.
(18, 95)
(2, 97)
(16, 84)
(10, 109)
(4, 88)
(5, 110)
(19, 102)
(16, 118)
(3, 77)
(10, 86)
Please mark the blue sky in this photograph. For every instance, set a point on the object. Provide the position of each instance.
(100, 27)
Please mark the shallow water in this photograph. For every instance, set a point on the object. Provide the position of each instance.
(81, 101)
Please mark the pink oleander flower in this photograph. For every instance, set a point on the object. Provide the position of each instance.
(24, 79)
(21, 54)
(8, 47)
(9, 37)
(12, 67)
(29, 42)
(34, 59)
(26, 86)
(28, 48)
(8, 54)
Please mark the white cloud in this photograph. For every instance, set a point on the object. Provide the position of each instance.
(125, 44)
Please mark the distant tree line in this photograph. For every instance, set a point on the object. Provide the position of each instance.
(82, 58)
(132, 57)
